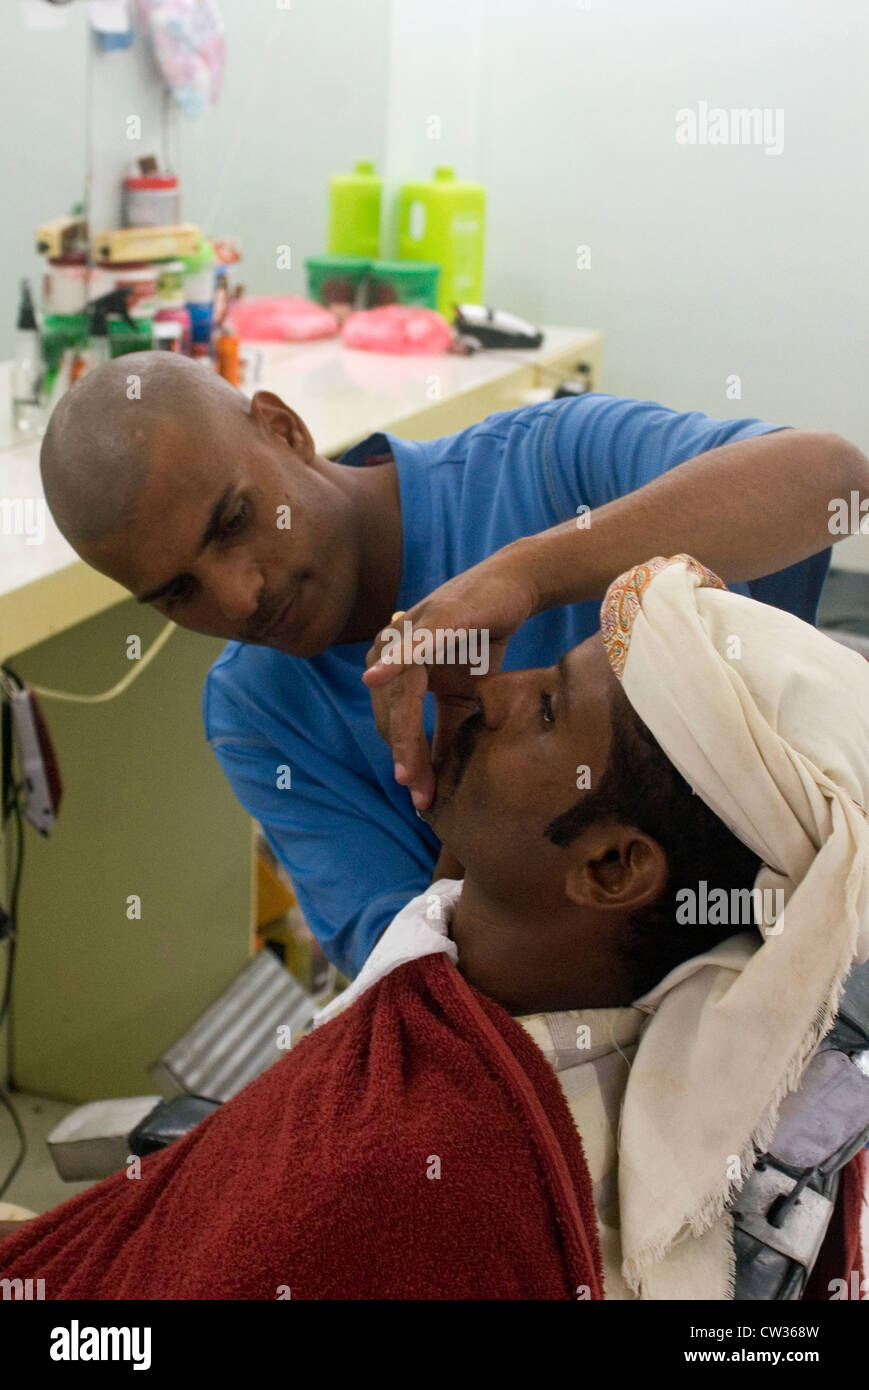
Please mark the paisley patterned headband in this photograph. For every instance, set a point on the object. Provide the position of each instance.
(624, 598)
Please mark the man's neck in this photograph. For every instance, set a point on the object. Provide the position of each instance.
(376, 499)
(539, 961)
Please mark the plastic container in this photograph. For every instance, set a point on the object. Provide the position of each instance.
(201, 323)
(151, 200)
(166, 335)
(180, 314)
(170, 281)
(226, 349)
(199, 293)
(70, 283)
(60, 332)
(414, 283)
(443, 220)
(336, 280)
(27, 366)
(199, 275)
(354, 212)
(171, 307)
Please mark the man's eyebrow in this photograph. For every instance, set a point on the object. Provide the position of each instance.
(208, 535)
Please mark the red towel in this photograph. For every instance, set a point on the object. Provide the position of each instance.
(320, 1179)
(418, 1146)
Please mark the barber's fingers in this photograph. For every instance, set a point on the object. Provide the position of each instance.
(378, 674)
(376, 671)
(497, 651)
(452, 711)
(398, 714)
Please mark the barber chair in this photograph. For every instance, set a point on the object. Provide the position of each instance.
(781, 1215)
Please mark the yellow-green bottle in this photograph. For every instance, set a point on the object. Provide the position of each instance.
(443, 220)
(354, 212)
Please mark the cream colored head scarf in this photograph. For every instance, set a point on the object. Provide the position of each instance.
(768, 721)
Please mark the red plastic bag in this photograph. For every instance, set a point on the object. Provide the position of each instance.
(397, 328)
(286, 318)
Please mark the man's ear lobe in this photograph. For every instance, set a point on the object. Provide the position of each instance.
(269, 410)
(615, 868)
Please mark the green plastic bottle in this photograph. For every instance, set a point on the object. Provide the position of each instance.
(354, 212)
(443, 220)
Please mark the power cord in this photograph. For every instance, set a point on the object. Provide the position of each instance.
(22, 1143)
(9, 924)
(123, 684)
(9, 919)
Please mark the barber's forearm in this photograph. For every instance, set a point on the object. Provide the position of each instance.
(745, 510)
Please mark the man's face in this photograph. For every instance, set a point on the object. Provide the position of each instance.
(235, 536)
(539, 742)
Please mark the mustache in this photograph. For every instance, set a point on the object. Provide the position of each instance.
(462, 746)
(272, 612)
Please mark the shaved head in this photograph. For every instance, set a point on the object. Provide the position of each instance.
(218, 510)
(108, 429)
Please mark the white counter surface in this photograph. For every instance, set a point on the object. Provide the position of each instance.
(341, 394)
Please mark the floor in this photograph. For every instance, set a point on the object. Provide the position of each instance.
(36, 1185)
(845, 602)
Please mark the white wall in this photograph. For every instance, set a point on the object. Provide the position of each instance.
(42, 142)
(434, 103)
(304, 98)
(707, 261)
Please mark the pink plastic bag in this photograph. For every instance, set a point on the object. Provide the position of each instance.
(266, 318)
(397, 328)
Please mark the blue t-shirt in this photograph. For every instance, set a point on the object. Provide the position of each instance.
(344, 829)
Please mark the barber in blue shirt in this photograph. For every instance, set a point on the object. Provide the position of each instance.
(219, 511)
(295, 734)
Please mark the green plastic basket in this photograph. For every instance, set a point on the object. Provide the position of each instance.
(403, 282)
(335, 279)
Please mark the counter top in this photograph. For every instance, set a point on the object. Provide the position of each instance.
(341, 394)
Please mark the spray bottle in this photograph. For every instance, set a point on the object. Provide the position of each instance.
(98, 348)
(27, 367)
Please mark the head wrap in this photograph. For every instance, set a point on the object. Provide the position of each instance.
(767, 719)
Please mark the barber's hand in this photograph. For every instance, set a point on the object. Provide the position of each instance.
(494, 597)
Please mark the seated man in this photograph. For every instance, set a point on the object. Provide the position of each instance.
(550, 1079)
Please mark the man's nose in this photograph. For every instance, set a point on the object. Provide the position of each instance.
(235, 588)
(499, 696)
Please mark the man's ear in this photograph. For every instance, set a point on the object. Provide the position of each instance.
(615, 867)
(269, 411)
